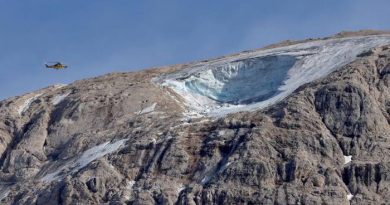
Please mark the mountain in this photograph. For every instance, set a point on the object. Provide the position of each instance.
(299, 122)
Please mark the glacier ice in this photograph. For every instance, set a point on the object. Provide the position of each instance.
(242, 82)
(256, 79)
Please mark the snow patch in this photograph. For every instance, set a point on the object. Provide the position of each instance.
(205, 179)
(221, 166)
(4, 194)
(225, 166)
(347, 159)
(168, 137)
(130, 184)
(84, 159)
(128, 189)
(254, 80)
(59, 85)
(56, 100)
(180, 188)
(349, 196)
(27, 103)
(148, 109)
(213, 172)
(111, 166)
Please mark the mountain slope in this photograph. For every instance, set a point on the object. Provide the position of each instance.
(133, 138)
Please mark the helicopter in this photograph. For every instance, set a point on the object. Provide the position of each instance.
(56, 65)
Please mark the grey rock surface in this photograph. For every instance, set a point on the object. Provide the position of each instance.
(121, 139)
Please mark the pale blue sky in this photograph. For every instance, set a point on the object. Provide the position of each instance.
(95, 37)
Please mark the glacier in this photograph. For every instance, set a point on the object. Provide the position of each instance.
(234, 82)
(256, 79)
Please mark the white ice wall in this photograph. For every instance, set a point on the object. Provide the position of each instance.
(202, 85)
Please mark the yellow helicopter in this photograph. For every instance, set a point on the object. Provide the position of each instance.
(56, 65)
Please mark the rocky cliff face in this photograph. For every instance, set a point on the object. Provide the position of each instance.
(133, 138)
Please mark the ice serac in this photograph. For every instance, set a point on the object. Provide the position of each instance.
(244, 81)
(257, 79)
